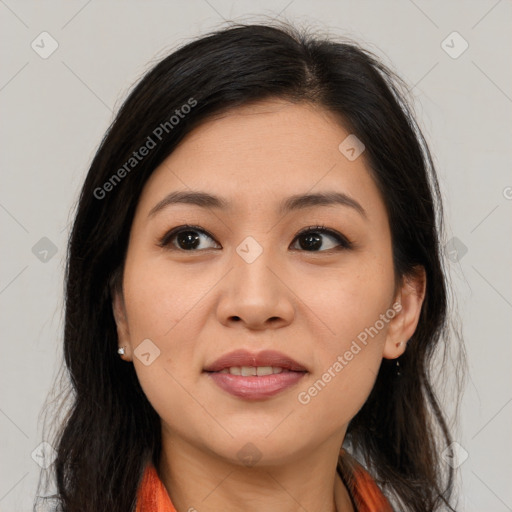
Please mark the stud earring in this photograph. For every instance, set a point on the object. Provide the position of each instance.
(121, 351)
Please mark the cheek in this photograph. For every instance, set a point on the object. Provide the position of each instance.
(159, 299)
(349, 302)
(355, 313)
(165, 307)
(347, 363)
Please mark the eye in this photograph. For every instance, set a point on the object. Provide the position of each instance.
(310, 239)
(186, 238)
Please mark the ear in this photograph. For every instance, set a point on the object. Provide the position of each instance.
(410, 296)
(123, 332)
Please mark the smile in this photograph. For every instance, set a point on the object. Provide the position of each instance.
(255, 383)
(248, 371)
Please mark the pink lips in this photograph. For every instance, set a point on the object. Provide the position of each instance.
(255, 387)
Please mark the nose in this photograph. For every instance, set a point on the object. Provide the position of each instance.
(256, 294)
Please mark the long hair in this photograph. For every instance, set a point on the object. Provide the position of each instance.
(110, 430)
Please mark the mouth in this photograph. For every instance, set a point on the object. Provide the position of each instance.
(255, 376)
(254, 371)
(262, 360)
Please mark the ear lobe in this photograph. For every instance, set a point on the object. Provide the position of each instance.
(401, 328)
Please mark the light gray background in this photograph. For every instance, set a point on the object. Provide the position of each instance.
(55, 111)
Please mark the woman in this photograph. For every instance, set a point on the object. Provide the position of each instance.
(255, 290)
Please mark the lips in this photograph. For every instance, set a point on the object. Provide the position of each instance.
(255, 376)
(265, 358)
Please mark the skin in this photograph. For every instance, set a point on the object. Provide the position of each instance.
(199, 304)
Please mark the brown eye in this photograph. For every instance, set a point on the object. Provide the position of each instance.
(312, 239)
(186, 238)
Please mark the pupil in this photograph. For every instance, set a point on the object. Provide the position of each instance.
(314, 241)
(188, 239)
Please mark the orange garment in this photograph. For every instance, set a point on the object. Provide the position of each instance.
(365, 493)
(366, 496)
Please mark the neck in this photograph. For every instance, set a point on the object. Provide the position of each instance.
(199, 480)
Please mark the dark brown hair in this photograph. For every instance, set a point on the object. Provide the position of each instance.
(111, 431)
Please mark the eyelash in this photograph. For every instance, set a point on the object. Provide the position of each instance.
(344, 242)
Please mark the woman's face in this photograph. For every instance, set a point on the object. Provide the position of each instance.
(249, 277)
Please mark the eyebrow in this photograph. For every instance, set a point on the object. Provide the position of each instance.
(292, 203)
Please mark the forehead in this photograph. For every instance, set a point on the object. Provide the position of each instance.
(261, 153)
